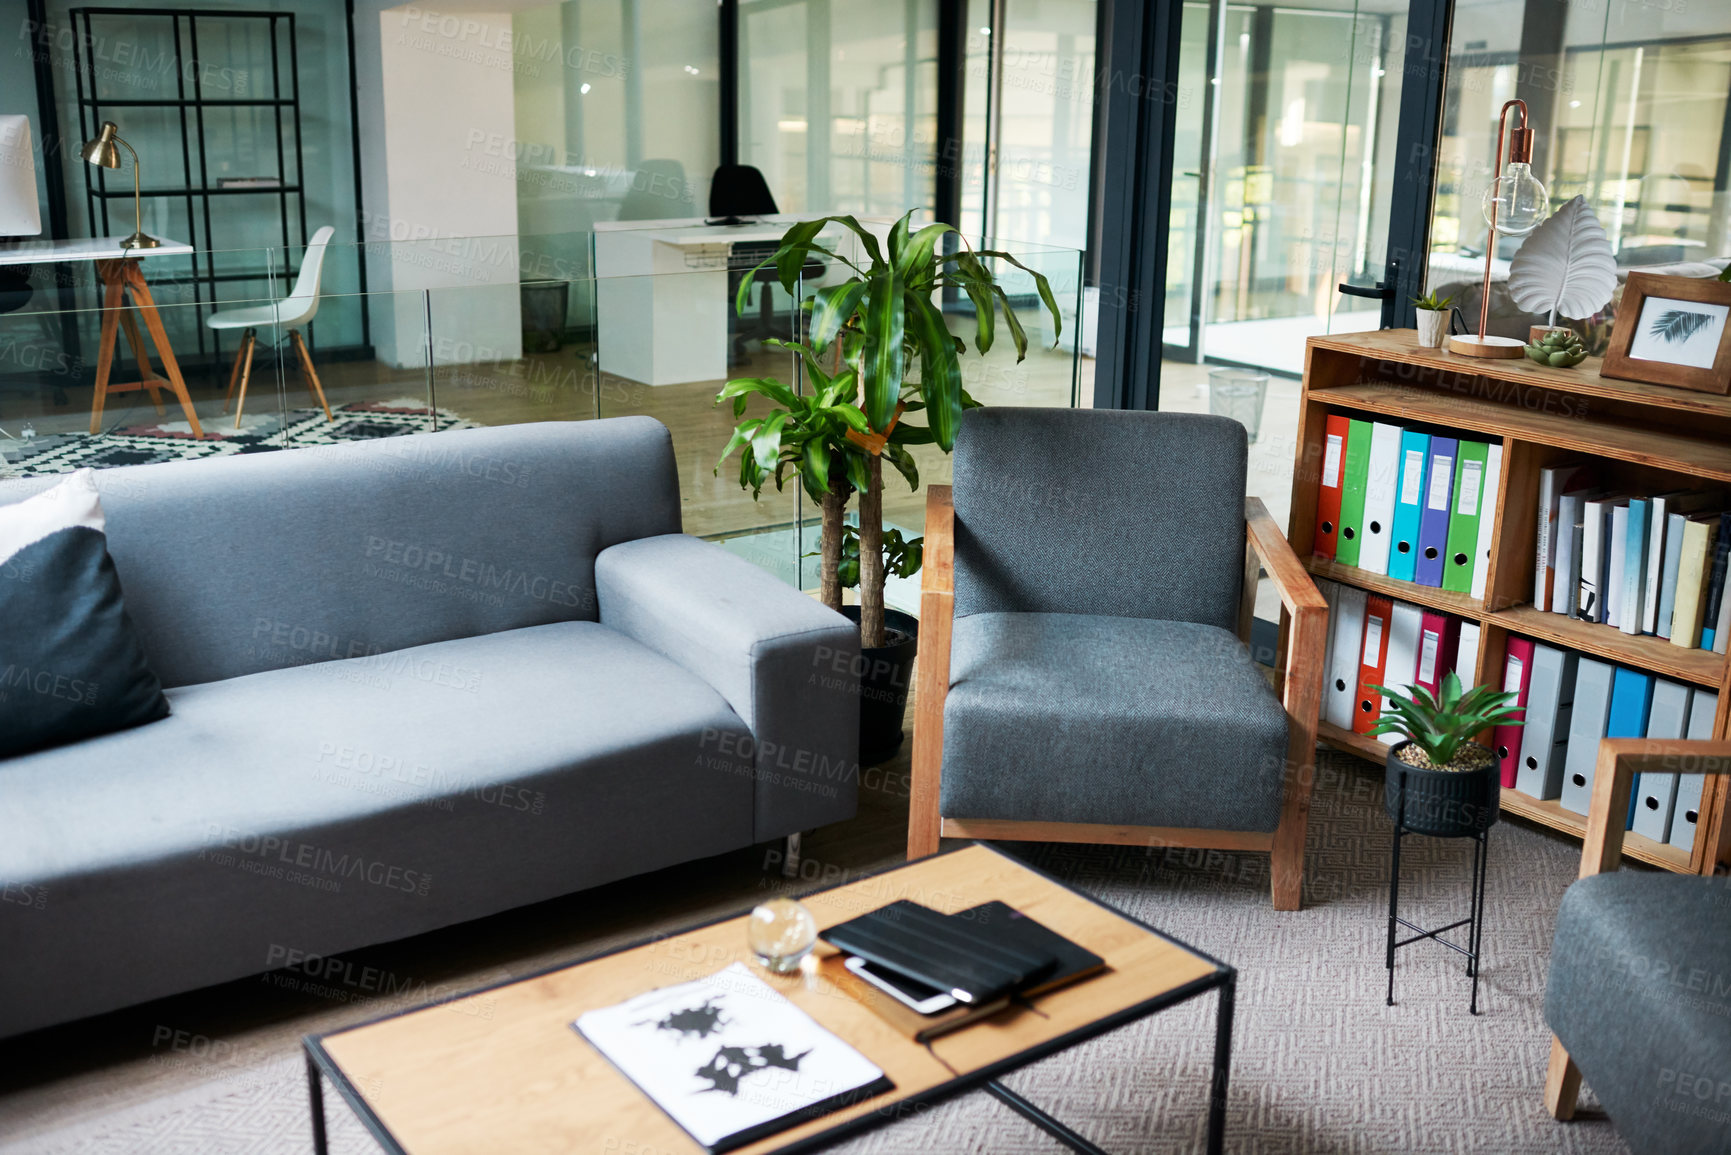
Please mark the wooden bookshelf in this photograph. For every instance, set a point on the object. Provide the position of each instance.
(1642, 435)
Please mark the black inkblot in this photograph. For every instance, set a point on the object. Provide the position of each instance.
(731, 1064)
(700, 1022)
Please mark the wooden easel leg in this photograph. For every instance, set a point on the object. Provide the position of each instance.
(234, 373)
(147, 309)
(147, 376)
(245, 375)
(112, 297)
(311, 374)
(1562, 1083)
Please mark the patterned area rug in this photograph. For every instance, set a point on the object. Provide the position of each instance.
(173, 440)
(1320, 1064)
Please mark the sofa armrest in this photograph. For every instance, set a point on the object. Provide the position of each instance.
(785, 663)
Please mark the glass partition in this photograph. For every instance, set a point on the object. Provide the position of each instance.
(498, 330)
(253, 396)
(838, 102)
(1631, 106)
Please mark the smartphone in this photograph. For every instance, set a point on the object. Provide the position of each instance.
(922, 998)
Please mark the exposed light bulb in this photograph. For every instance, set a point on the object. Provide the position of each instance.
(1520, 201)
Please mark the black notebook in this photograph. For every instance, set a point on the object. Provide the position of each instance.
(943, 951)
(1003, 923)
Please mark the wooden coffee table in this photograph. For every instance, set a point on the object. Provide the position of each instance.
(500, 1069)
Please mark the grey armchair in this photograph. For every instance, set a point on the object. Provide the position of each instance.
(1639, 995)
(1083, 672)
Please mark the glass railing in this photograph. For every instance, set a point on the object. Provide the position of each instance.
(482, 331)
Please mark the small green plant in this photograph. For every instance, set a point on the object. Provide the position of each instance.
(1432, 302)
(1560, 348)
(1440, 724)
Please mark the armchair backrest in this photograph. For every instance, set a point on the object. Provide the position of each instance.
(1123, 514)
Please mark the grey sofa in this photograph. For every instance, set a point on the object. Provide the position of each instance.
(1639, 996)
(414, 681)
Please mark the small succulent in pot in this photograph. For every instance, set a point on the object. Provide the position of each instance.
(1441, 726)
(1558, 348)
(1439, 781)
(1433, 319)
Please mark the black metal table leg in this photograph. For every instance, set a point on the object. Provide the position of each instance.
(1481, 864)
(1217, 1085)
(1045, 1122)
(1394, 885)
(1222, 1065)
(316, 1101)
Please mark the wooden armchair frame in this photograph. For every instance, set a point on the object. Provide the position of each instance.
(1304, 616)
(1620, 759)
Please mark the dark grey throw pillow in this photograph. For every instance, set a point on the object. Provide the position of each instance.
(70, 663)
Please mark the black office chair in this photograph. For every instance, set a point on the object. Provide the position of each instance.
(735, 192)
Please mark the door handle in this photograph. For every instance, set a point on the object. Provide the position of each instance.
(1381, 293)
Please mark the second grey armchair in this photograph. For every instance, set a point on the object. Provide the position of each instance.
(1083, 673)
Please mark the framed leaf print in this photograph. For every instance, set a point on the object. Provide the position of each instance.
(1673, 331)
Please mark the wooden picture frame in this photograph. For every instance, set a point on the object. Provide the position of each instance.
(1645, 290)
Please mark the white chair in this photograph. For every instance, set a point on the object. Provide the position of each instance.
(290, 313)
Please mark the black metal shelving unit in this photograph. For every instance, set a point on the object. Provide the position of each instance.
(196, 188)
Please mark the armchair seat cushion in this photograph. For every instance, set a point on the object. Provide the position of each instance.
(1640, 997)
(1128, 721)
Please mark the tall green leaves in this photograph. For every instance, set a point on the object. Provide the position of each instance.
(940, 371)
(885, 323)
(894, 308)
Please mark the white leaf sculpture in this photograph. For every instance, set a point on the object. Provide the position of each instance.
(1566, 266)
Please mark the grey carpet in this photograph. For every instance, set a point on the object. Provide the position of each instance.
(1320, 1064)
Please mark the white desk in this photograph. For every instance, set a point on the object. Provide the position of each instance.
(661, 298)
(43, 252)
(122, 275)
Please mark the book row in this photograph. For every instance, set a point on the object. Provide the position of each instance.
(1414, 505)
(1569, 702)
(1645, 563)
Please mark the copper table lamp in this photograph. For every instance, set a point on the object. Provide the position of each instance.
(1517, 202)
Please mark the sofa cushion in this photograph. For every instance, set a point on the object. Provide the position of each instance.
(1640, 997)
(329, 806)
(70, 662)
(1080, 718)
(260, 561)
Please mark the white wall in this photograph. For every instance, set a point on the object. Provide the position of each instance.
(435, 100)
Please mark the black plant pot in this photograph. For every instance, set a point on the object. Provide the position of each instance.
(1444, 803)
(885, 673)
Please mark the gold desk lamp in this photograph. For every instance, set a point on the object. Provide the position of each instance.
(101, 152)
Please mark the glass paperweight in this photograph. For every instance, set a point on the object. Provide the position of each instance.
(781, 933)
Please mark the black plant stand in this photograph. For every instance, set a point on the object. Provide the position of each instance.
(1474, 922)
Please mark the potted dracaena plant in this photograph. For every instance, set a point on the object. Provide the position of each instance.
(1450, 784)
(863, 338)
